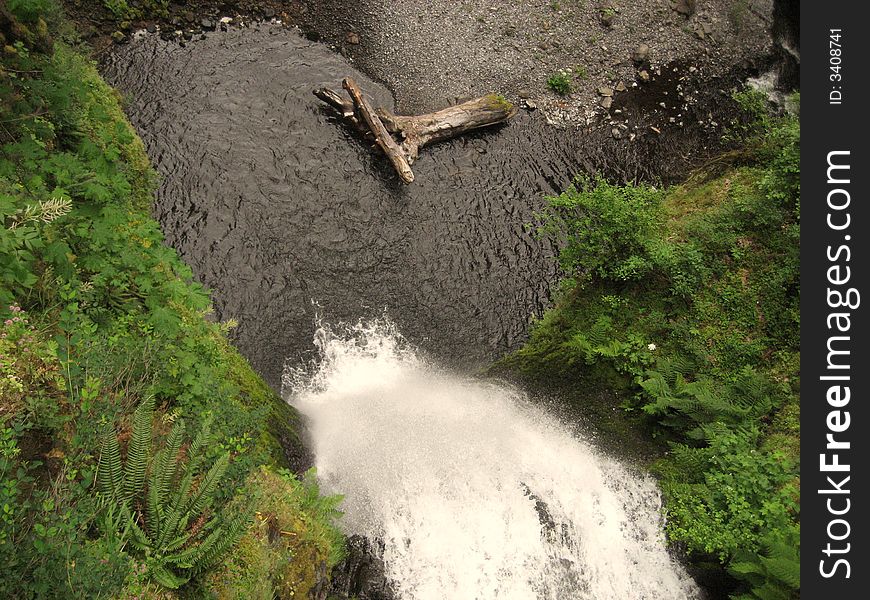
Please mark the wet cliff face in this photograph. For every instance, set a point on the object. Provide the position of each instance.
(786, 34)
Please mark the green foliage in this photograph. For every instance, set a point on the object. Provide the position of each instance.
(560, 82)
(122, 10)
(774, 573)
(320, 509)
(119, 8)
(724, 497)
(96, 313)
(169, 523)
(694, 406)
(29, 11)
(754, 119)
(606, 231)
(685, 302)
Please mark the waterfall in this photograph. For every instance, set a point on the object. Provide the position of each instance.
(476, 492)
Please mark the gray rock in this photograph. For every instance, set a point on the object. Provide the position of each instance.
(620, 87)
(524, 94)
(207, 24)
(640, 54)
(605, 91)
(616, 133)
(119, 37)
(643, 76)
(352, 37)
(606, 102)
(362, 574)
(685, 7)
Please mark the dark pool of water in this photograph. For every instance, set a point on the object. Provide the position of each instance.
(285, 214)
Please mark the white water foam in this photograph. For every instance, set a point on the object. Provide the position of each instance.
(477, 493)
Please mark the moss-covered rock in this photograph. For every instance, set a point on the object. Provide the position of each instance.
(291, 546)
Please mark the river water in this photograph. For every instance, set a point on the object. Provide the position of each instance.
(294, 222)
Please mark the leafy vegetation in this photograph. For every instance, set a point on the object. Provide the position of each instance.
(167, 520)
(560, 82)
(293, 519)
(686, 301)
(126, 11)
(99, 317)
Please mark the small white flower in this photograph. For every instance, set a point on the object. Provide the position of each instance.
(651, 346)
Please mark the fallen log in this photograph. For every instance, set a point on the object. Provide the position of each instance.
(382, 136)
(402, 137)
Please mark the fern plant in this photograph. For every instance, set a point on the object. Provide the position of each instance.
(167, 503)
(774, 574)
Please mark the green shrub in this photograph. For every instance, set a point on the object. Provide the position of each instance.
(727, 496)
(605, 231)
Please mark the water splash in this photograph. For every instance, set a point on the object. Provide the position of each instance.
(476, 492)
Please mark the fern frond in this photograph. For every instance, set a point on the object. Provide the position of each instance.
(166, 577)
(153, 510)
(174, 522)
(109, 469)
(205, 492)
(195, 453)
(226, 539)
(166, 463)
(139, 539)
(176, 543)
(139, 449)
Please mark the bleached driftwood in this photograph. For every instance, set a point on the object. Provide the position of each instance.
(401, 137)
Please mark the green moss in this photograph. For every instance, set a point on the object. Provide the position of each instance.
(499, 103)
(292, 542)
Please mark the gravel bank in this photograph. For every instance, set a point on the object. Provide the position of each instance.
(433, 52)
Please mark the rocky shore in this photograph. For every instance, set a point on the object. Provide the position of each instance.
(636, 68)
